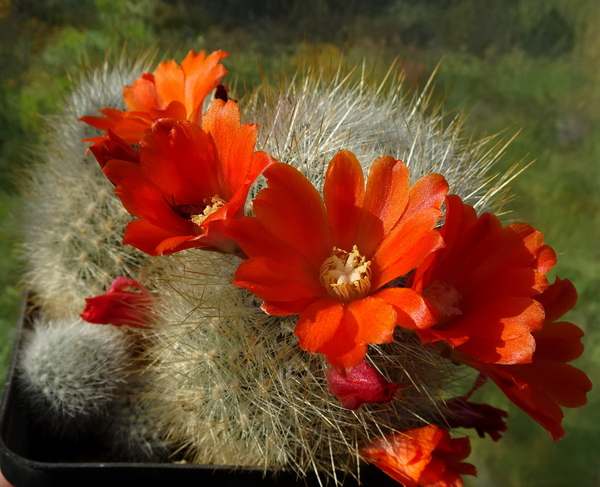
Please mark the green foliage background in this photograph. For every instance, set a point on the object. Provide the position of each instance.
(529, 65)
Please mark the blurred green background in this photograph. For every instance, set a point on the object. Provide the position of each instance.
(529, 65)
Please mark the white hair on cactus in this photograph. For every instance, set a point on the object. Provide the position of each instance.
(307, 121)
(73, 370)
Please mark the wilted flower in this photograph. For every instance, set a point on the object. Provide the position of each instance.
(462, 413)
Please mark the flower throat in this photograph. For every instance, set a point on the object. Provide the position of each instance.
(346, 275)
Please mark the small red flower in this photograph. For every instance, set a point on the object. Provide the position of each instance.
(482, 286)
(173, 91)
(539, 388)
(120, 306)
(190, 183)
(328, 259)
(363, 385)
(421, 457)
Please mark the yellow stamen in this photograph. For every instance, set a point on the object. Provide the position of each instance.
(217, 203)
(346, 275)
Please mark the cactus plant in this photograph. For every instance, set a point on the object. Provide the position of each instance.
(71, 372)
(223, 377)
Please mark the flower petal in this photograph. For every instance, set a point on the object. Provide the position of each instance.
(318, 323)
(343, 193)
(499, 332)
(169, 80)
(375, 320)
(406, 246)
(144, 236)
(559, 298)
(411, 309)
(366, 320)
(559, 341)
(384, 202)
(144, 200)
(181, 159)
(174, 110)
(239, 164)
(292, 210)
(202, 75)
(343, 353)
(118, 170)
(273, 280)
(283, 308)
(141, 96)
(428, 192)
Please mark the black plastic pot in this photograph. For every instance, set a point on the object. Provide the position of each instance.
(31, 457)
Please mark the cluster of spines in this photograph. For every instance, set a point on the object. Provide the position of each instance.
(305, 122)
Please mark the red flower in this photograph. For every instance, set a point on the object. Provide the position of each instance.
(120, 306)
(421, 457)
(363, 385)
(482, 285)
(190, 183)
(329, 262)
(173, 91)
(548, 382)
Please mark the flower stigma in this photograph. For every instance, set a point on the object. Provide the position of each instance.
(346, 275)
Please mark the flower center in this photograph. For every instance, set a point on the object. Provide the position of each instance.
(197, 213)
(444, 298)
(217, 203)
(346, 275)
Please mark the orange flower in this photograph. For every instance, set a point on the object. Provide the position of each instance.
(190, 183)
(173, 91)
(329, 262)
(548, 382)
(421, 457)
(482, 286)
